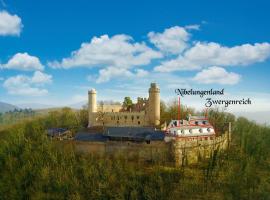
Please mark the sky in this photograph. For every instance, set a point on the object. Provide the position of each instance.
(53, 52)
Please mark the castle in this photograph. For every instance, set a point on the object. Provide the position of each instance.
(146, 112)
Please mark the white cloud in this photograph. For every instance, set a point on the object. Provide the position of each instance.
(28, 86)
(141, 73)
(209, 54)
(112, 72)
(41, 78)
(109, 73)
(23, 61)
(117, 51)
(217, 75)
(10, 24)
(193, 27)
(172, 40)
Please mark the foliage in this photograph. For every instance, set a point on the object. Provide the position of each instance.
(170, 111)
(16, 115)
(127, 104)
(34, 167)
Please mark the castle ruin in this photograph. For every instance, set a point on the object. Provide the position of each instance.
(146, 112)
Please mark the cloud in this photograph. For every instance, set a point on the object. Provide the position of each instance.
(209, 54)
(217, 75)
(117, 51)
(106, 74)
(113, 72)
(28, 86)
(141, 73)
(10, 24)
(41, 78)
(23, 61)
(193, 27)
(172, 40)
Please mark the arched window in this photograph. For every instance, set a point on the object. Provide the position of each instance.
(132, 117)
(139, 122)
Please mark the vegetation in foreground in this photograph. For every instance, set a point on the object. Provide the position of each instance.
(33, 167)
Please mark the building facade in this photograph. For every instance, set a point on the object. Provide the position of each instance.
(146, 112)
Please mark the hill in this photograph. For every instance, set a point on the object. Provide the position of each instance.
(5, 107)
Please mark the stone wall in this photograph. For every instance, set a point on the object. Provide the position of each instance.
(182, 152)
(192, 151)
(134, 119)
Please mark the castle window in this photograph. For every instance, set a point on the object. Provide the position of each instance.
(132, 117)
(125, 117)
(118, 118)
(139, 122)
(138, 117)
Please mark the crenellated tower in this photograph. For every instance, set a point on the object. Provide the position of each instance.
(92, 106)
(154, 105)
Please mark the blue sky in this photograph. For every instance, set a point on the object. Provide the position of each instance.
(52, 52)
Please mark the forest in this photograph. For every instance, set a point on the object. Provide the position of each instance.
(34, 167)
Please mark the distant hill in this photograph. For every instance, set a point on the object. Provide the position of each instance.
(5, 107)
(36, 106)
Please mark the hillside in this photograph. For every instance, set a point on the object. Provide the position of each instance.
(4, 107)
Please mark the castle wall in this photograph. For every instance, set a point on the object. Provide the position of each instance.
(120, 119)
(191, 151)
(109, 108)
(174, 154)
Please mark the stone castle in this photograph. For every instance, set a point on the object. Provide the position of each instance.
(146, 112)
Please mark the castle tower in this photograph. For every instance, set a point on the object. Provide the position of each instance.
(154, 105)
(92, 106)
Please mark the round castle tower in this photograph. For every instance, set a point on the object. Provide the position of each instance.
(154, 105)
(92, 106)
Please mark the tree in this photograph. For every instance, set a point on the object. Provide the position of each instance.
(127, 104)
(83, 117)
